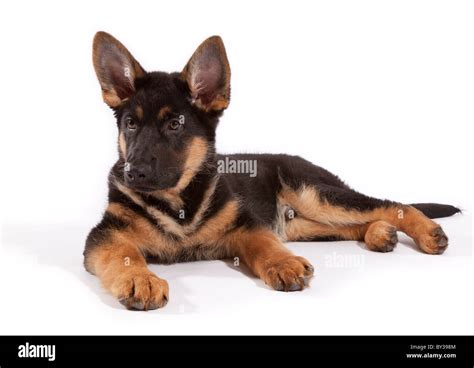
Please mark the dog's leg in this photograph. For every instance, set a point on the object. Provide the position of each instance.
(379, 235)
(340, 208)
(267, 257)
(113, 253)
(123, 272)
(426, 233)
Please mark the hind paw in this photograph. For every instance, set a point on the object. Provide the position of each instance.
(381, 237)
(434, 241)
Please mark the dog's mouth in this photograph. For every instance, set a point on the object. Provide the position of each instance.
(144, 189)
(148, 189)
(167, 181)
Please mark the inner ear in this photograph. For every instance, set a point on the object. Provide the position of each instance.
(116, 69)
(207, 74)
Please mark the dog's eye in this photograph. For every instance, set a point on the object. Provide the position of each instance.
(131, 123)
(174, 124)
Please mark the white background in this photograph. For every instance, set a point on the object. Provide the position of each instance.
(378, 92)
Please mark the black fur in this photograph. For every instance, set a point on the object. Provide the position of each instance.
(435, 210)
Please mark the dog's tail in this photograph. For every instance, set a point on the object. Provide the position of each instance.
(435, 210)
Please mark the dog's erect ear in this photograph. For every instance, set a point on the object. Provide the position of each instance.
(208, 75)
(116, 69)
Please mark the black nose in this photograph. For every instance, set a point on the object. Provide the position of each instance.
(137, 174)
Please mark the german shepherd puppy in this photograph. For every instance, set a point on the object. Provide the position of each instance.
(168, 200)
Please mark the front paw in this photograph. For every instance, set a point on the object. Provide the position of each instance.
(140, 290)
(290, 273)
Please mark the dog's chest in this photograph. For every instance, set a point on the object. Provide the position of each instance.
(196, 240)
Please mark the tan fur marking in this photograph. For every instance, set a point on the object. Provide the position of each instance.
(197, 219)
(111, 98)
(164, 111)
(306, 201)
(304, 229)
(168, 223)
(151, 241)
(100, 259)
(214, 228)
(268, 259)
(140, 234)
(125, 240)
(139, 112)
(141, 230)
(171, 197)
(118, 210)
(122, 145)
(195, 156)
(220, 103)
(247, 244)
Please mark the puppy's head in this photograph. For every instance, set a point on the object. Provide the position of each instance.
(166, 121)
